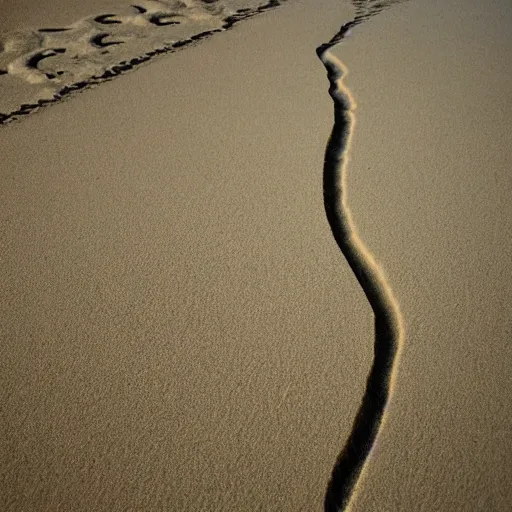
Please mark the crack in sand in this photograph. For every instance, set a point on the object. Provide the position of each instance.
(389, 331)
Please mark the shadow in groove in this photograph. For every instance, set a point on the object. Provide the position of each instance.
(388, 332)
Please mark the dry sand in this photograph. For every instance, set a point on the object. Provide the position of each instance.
(429, 187)
(23, 14)
(179, 330)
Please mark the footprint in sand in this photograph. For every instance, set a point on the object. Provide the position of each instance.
(39, 67)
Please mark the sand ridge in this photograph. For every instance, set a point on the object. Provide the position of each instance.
(389, 330)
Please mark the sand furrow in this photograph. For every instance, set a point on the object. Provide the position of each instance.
(389, 330)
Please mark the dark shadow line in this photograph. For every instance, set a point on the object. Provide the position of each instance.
(98, 42)
(50, 30)
(34, 61)
(140, 9)
(387, 331)
(365, 428)
(104, 19)
(162, 20)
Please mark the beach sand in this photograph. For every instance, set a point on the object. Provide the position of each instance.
(182, 333)
(23, 14)
(179, 328)
(429, 188)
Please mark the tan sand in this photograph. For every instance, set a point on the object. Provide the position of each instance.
(429, 188)
(41, 63)
(179, 330)
(22, 14)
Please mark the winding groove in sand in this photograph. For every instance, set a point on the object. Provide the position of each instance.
(389, 330)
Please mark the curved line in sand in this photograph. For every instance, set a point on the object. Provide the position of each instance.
(389, 331)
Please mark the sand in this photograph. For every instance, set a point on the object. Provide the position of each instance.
(431, 148)
(43, 63)
(177, 308)
(23, 14)
(179, 328)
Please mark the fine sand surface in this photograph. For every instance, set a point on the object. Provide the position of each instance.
(22, 14)
(179, 330)
(429, 188)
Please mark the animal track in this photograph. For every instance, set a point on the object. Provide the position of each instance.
(34, 61)
(160, 20)
(98, 41)
(142, 10)
(52, 62)
(104, 19)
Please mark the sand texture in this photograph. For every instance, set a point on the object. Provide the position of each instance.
(41, 64)
(197, 258)
(429, 188)
(182, 332)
